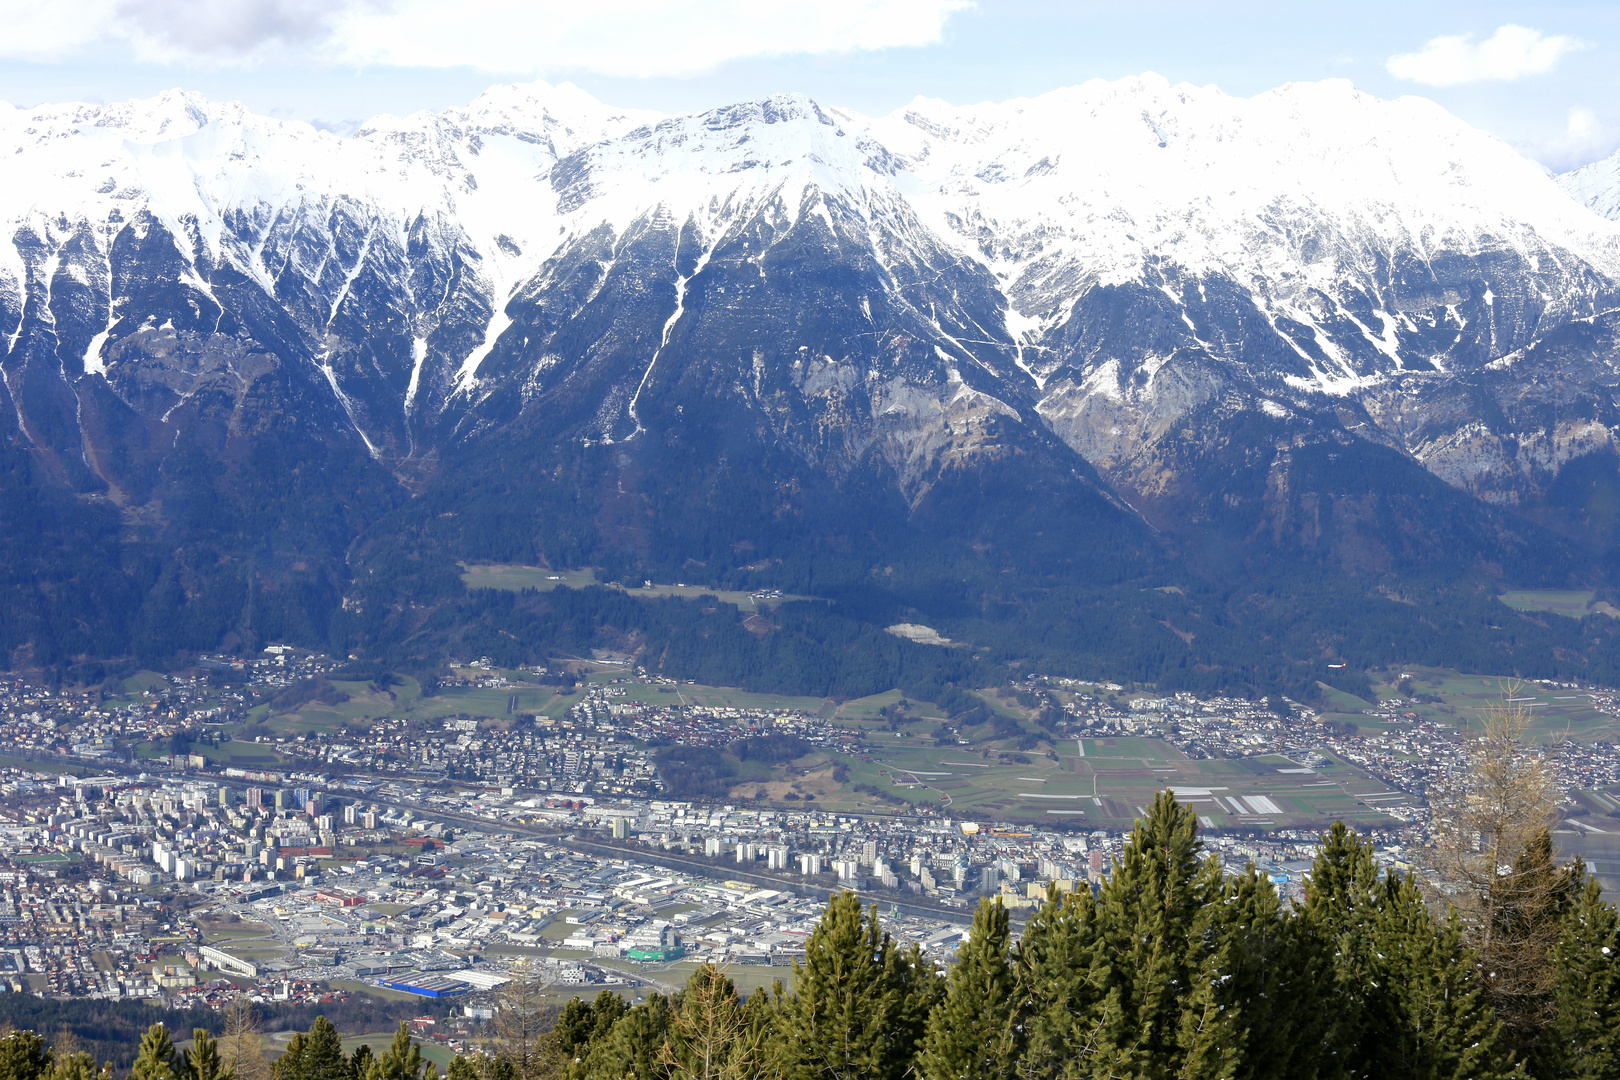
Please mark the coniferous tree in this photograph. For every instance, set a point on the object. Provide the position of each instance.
(860, 1005)
(1492, 816)
(156, 1059)
(1158, 959)
(242, 1046)
(479, 1067)
(581, 1023)
(1528, 919)
(360, 1062)
(1583, 1040)
(202, 1059)
(1278, 976)
(524, 1015)
(314, 1055)
(634, 1047)
(24, 1056)
(77, 1065)
(401, 1061)
(972, 1033)
(1054, 1000)
(1428, 1016)
(710, 1036)
(1341, 904)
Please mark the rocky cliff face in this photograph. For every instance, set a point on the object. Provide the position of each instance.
(1310, 320)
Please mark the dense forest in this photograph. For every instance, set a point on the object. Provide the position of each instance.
(1019, 578)
(110, 1031)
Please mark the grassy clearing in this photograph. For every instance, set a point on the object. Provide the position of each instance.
(745, 977)
(1340, 701)
(355, 986)
(51, 767)
(380, 1041)
(728, 697)
(866, 708)
(234, 932)
(244, 754)
(405, 702)
(1574, 603)
(515, 578)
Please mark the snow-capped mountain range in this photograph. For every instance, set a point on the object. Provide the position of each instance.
(1122, 254)
(1145, 280)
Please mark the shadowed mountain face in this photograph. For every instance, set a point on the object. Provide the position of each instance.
(1130, 376)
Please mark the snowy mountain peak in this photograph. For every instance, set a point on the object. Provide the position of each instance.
(1105, 260)
(1596, 186)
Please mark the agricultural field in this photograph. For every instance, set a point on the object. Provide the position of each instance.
(1460, 701)
(1112, 781)
(514, 578)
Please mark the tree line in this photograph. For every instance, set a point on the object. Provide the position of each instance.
(1171, 968)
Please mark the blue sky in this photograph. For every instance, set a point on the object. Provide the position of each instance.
(1545, 76)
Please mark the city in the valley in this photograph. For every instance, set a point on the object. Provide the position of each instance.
(270, 825)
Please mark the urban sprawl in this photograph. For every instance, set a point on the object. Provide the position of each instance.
(431, 856)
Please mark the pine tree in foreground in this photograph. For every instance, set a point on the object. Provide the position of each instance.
(1583, 1042)
(860, 1004)
(1428, 1016)
(24, 1056)
(156, 1059)
(202, 1060)
(632, 1048)
(401, 1061)
(972, 1034)
(1158, 958)
(710, 1036)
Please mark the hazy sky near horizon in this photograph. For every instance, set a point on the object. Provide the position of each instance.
(1544, 76)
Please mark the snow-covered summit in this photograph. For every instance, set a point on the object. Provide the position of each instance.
(1596, 186)
(1117, 175)
(1110, 257)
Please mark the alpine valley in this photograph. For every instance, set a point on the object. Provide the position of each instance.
(1128, 380)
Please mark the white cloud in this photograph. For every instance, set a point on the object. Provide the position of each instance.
(1585, 136)
(1511, 53)
(221, 29)
(637, 38)
(49, 30)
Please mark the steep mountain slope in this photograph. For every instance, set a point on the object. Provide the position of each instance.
(944, 362)
(1596, 186)
(1310, 250)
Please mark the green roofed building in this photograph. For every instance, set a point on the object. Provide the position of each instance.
(658, 953)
